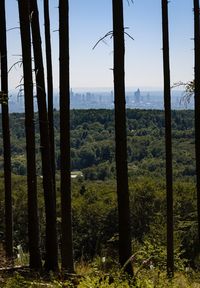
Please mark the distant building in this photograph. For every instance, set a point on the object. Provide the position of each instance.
(137, 96)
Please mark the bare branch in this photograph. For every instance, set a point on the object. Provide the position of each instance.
(14, 28)
(15, 64)
(110, 33)
(127, 34)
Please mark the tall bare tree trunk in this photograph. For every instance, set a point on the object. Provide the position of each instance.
(66, 225)
(168, 139)
(33, 226)
(120, 136)
(49, 88)
(197, 102)
(6, 134)
(51, 259)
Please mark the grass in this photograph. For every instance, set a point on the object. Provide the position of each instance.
(92, 278)
(99, 274)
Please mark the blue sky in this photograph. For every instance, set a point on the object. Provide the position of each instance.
(92, 19)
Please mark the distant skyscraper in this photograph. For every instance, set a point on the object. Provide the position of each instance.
(137, 96)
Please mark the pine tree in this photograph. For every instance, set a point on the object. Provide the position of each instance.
(33, 225)
(51, 258)
(197, 102)
(66, 225)
(168, 139)
(120, 136)
(49, 87)
(6, 134)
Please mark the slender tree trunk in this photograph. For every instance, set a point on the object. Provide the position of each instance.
(120, 136)
(168, 139)
(33, 226)
(6, 134)
(51, 260)
(66, 225)
(49, 88)
(197, 102)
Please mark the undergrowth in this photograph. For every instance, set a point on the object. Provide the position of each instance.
(101, 279)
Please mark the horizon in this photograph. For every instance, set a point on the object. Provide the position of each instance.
(104, 99)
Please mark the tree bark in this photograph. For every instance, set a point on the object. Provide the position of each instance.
(66, 225)
(50, 88)
(168, 139)
(6, 135)
(51, 258)
(120, 136)
(33, 226)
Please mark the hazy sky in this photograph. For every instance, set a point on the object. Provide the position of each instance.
(92, 19)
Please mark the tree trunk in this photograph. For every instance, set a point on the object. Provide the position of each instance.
(168, 139)
(33, 226)
(66, 225)
(51, 259)
(6, 134)
(120, 136)
(197, 102)
(50, 88)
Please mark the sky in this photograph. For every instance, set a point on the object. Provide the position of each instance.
(90, 20)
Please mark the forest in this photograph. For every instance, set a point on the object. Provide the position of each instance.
(94, 203)
(93, 147)
(96, 198)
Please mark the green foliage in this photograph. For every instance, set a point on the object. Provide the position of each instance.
(93, 148)
(99, 279)
(16, 281)
(94, 217)
(102, 281)
(94, 203)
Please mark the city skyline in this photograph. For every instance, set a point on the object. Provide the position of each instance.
(90, 20)
(87, 99)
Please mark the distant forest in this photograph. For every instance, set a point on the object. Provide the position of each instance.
(93, 146)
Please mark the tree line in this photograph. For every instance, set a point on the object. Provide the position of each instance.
(30, 33)
(93, 147)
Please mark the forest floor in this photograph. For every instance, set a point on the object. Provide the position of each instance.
(91, 277)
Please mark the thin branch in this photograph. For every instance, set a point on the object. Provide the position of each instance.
(14, 65)
(178, 84)
(110, 33)
(18, 86)
(22, 78)
(14, 28)
(127, 34)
